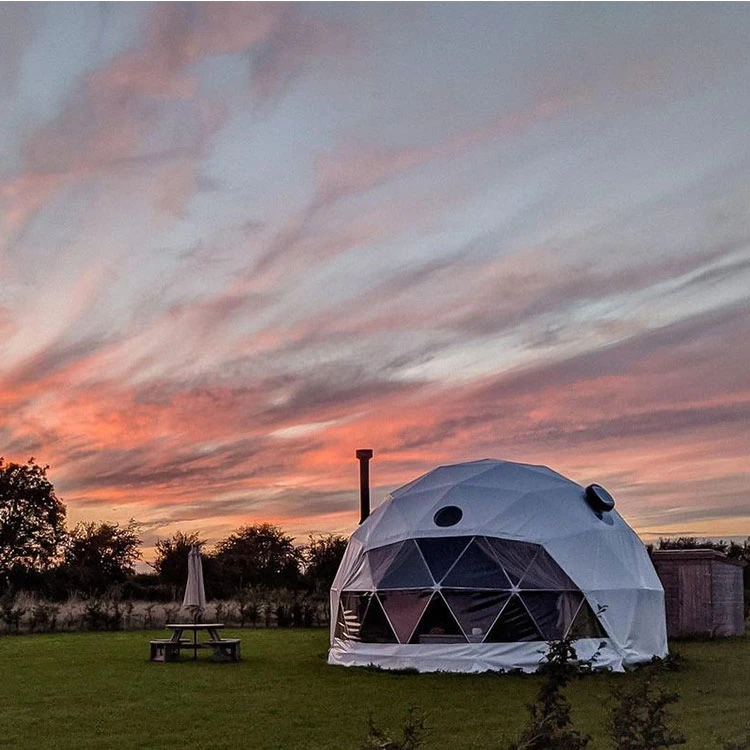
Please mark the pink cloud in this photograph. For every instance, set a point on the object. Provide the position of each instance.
(194, 415)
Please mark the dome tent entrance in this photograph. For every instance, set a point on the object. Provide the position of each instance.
(475, 566)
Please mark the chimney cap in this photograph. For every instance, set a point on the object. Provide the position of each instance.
(364, 453)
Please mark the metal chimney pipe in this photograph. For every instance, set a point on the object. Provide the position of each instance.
(364, 455)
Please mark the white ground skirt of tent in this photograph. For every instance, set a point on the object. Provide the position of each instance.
(466, 657)
(595, 557)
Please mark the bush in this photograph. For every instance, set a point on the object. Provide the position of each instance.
(413, 733)
(11, 612)
(741, 744)
(550, 725)
(44, 616)
(94, 614)
(73, 616)
(32, 613)
(639, 718)
(248, 608)
(171, 612)
(148, 616)
(674, 661)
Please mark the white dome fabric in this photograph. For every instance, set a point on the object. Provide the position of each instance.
(475, 566)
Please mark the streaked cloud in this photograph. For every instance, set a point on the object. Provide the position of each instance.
(238, 241)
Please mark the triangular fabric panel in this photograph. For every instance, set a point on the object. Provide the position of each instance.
(375, 626)
(475, 610)
(545, 573)
(407, 570)
(477, 568)
(586, 624)
(552, 611)
(438, 625)
(404, 608)
(441, 552)
(514, 556)
(358, 577)
(380, 560)
(514, 624)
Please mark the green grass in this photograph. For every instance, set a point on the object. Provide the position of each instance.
(98, 690)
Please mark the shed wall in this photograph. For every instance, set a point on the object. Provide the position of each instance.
(703, 594)
(728, 599)
(670, 580)
(696, 608)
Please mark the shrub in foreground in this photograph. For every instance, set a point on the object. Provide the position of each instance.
(550, 725)
(413, 733)
(740, 744)
(640, 720)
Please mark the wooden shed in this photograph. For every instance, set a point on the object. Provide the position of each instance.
(703, 592)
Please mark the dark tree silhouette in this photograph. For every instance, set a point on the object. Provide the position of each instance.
(32, 521)
(259, 555)
(171, 558)
(99, 555)
(322, 557)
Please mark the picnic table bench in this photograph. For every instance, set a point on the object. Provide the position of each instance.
(168, 649)
(226, 649)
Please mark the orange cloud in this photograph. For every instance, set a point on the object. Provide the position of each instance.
(207, 406)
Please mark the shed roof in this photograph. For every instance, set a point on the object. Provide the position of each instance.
(694, 554)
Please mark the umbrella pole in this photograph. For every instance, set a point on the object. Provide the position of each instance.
(195, 636)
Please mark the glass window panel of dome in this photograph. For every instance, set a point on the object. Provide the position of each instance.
(380, 560)
(475, 610)
(404, 608)
(552, 611)
(441, 552)
(437, 624)
(352, 608)
(407, 570)
(375, 626)
(514, 624)
(477, 568)
(586, 624)
(545, 573)
(514, 556)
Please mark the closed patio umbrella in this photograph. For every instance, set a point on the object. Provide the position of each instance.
(195, 592)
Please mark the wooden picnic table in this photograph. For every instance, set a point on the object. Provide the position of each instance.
(212, 628)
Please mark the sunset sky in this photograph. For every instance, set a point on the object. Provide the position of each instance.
(238, 242)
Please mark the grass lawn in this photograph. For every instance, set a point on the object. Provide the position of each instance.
(98, 690)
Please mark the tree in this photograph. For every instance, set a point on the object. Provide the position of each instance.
(322, 559)
(172, 554)
(32, 521)
(99, 555)
(171, 560)
(259, 555)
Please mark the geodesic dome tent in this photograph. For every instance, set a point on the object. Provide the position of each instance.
(475, 566)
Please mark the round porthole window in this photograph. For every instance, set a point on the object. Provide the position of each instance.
(448, 516)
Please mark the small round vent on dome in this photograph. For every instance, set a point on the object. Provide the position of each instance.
(599, 499)
(450, 515)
